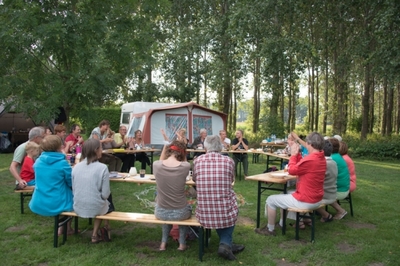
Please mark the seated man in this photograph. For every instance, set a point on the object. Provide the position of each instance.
(36, 134)
(216, 200)
(240, 143)
(74, 138)
(225, 142)
(102, 133)
(310, 184)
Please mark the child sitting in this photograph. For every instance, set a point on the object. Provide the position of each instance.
(27, 173)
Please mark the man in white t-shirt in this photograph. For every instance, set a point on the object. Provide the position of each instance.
(226, 142)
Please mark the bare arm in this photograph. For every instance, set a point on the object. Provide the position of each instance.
(164, 135)
(14, 171)
(299, 140)
(163, 153)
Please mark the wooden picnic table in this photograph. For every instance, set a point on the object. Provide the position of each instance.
(266, 181)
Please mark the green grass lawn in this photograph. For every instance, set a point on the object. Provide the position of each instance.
(371, 237)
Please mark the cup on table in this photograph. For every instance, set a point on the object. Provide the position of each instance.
(142, 173)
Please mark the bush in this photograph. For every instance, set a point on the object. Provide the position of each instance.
(91, 118)
(375, 147)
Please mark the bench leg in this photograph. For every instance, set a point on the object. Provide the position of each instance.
(312, 226)
(297, 225)
(56, 218)
(201, 243)
(76, 225)
(62, 222)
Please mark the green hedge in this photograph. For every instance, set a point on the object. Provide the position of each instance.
(376, 147)
(91, 118)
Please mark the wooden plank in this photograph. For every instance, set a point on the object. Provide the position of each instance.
(24, 190)
(139, 218)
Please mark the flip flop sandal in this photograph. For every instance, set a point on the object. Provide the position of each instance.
(327, 219)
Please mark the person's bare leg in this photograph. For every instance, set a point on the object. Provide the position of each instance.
(340, 212)
(96, 226)
(271, 218)
(323, 212)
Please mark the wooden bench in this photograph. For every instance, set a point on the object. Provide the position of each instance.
(131, 217)
(24, 193)
(302, 213)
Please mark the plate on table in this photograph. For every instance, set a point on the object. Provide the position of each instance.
(115, 175)
(278, 175)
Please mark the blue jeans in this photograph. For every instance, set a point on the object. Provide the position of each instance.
(171, 215)
(225, 235)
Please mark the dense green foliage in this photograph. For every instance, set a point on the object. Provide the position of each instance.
(80, 54)
(375, 147)
(91, 119)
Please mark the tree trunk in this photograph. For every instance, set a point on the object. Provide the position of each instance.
(365, 103)
(256, 95)
(389, 121)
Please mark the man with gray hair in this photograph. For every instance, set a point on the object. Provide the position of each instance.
(216, 201)
(198, 142)
(36, 134)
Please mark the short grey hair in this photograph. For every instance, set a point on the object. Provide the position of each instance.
(203, 130)
(316, 141)
(36, 132)
(213, 143)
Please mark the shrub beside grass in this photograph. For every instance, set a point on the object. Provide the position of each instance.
(368, 238)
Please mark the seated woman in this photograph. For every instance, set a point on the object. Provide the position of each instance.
(342, 181)
(91, 188)
(53, 188)
(329, 183)
(139, 144)
(171, 204)
(343, 149)
(123, 142)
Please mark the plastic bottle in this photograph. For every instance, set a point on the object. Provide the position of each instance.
(78, 148)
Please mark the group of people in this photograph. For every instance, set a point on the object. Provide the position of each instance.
(24, 156)
(325, 174)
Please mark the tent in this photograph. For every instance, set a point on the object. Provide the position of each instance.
(173, 117)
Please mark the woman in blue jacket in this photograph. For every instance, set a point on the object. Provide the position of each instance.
(53, 190)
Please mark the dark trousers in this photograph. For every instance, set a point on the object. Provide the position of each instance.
(128, 160)
(143, 158)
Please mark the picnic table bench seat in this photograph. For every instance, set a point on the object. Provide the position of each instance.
(131, 217)
(24, 193)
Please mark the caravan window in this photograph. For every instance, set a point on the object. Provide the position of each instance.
(199, 122)
(173, 123)
(125, 118)
(134, 126)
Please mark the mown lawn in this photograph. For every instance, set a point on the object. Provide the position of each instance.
(371, 237)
